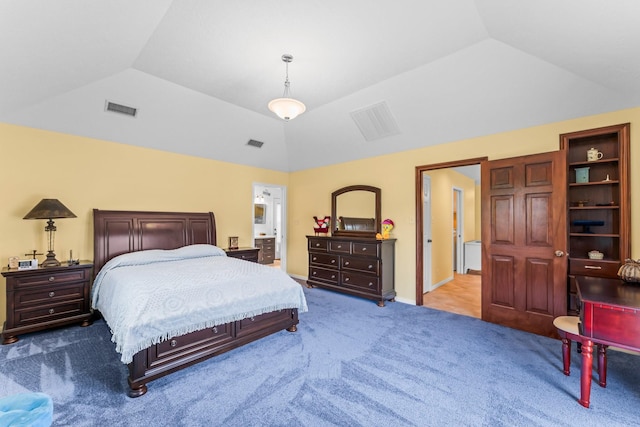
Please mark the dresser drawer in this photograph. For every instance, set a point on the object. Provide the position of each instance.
(318, 244)
(48, 313)
(361, 282)
(47, 295)
(323, 275)
(593, 267)
(340, 246)
(251, 324)
(327, 260)
(52, 278)
(369, 265)
(180, 345)
(365, 249)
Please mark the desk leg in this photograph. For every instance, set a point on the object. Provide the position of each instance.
(602, 364)
(585, 372)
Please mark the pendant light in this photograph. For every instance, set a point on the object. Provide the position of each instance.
(287, 108)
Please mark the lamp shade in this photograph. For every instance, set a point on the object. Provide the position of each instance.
(48, 209)
(287, 108)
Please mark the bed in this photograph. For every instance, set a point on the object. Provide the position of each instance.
(137, 257)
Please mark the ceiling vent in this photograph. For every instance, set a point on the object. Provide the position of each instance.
(121, 109)
(254, 143)
(375, 121)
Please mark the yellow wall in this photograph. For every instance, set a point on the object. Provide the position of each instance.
(310, 189)
(85, 173)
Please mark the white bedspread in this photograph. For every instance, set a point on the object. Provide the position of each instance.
(149, 296)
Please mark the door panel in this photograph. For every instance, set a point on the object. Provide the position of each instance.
(523, 227)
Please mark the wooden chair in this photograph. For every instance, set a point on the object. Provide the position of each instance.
(569, 330)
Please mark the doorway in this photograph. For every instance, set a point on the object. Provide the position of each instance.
(435, 224)
(268, 220)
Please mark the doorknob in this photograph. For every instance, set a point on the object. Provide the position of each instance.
(559, 253)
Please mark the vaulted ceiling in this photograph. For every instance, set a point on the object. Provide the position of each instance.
(201, 72)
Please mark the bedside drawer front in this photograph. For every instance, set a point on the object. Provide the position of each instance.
(340, 246)
(323, 275)
(48, 313)
(361, 282)
(593, 267)
(326, 260)
(49, 279)
(369, 265)
(179, 345)
(47, 295)
(318, 244)
(366, 249)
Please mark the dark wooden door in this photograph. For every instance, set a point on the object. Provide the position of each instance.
(524, 260)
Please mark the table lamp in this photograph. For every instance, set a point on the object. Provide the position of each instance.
(50, 209)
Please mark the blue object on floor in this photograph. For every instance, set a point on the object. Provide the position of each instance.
(26, 409)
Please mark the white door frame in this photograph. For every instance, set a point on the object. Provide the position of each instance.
(282, 233)
(427, 285)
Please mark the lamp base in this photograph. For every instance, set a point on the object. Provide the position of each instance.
(51, 260)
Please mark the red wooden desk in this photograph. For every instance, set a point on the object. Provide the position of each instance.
(610, 315)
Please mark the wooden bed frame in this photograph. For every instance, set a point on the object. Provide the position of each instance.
(118, 232)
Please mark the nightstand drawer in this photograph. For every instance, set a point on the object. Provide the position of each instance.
(53, 278)
(48, 313)
(48, 295)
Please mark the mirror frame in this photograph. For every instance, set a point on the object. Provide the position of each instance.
(334, 219)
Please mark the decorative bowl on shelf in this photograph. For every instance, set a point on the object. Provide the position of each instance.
(595, 255)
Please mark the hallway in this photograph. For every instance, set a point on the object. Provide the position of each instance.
(462, 295)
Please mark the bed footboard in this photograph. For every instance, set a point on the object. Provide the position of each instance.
(179, 352)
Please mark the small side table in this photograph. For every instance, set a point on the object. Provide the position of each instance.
(47, 297)
(247, 254)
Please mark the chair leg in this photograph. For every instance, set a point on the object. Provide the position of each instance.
(602, 365)
(566, 355)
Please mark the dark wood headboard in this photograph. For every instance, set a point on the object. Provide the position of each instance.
(119, 232)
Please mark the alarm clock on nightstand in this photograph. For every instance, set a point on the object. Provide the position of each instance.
(27, 264)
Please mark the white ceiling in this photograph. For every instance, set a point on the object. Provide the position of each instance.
(201, 72)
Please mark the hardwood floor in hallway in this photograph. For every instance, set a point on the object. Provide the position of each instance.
(462, 295)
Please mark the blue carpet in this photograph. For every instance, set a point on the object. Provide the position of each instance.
(351, 363)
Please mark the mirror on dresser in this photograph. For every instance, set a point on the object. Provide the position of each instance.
(356, 211)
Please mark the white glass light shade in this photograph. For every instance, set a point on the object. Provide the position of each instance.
(287, 108)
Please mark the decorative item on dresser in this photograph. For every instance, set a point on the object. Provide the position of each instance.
(599, 204)
(362, 267)
(247, 254)
(46, 297)
(267, 249)
(353, 261)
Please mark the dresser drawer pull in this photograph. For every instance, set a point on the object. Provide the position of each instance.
(346, 279)
(51, 279)
(52, 294)
(314, 273)
(364, 249)
(339, 246)
(370, 267)
(253, 319)
(173, 343)
(593, 267)
(346, 263)
(215, 330)
(370, 284)
(333, 276)
(51, 311)
(317, 245)
(243, 257)
(314, 259)
(333, 261)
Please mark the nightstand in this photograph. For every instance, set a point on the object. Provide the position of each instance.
(47, 297)
(247, 254)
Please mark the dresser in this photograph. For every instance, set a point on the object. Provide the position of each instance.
(46, 297)
(267, 247)
(247, 254)
(359, 266)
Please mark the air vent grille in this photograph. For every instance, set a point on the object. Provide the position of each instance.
(375, 121)
(254, 143)
(121, 109)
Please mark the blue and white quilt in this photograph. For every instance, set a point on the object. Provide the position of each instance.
(147, 297)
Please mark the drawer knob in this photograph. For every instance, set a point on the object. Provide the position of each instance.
(315, 259)
(317, 245)
(173, 343)
(253, 319)
(333, 261)
(339, 246)
(314, 273)
(52, 294)
(215, 330)
(346, 279)
(346, 263)
(51, 279)
(51, 311)
(364, 249)
(370, 284)
(333, 276)
(370, 266)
